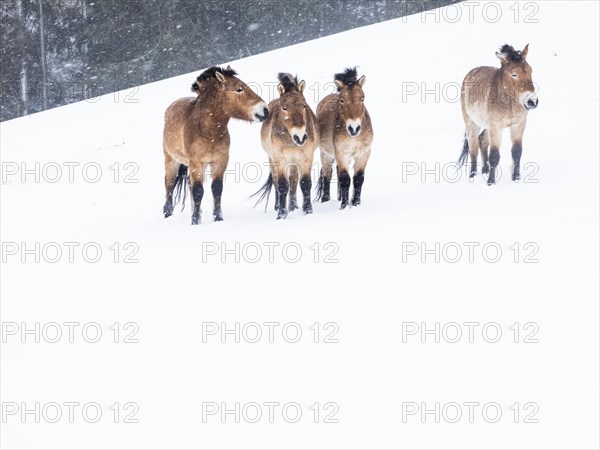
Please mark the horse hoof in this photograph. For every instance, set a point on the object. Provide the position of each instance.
(293, 207)
(491, 182)
(325, 198)
(282, 214)
(168, 211)
(516, 177)
(472, 174)
(195, 220)
(355, 201)
(308, 209)
(343, 206)
(486, 169)
(218, 218)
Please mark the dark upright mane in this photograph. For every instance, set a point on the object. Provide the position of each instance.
(511, 54)
(348, 78)
(289, 82)
(209, 74)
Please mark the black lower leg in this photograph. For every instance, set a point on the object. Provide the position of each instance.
(494, 160)
(217, 191)
(517, 151)
(305, 187)
(357, 181)
(283, 186)
(197, 194)
(485, 158)
(326, 189)
(344, 188)
(293, 202)
(473, 171)
(168, 208)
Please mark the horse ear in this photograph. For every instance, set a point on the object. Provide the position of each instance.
(280, 89)
(339, 84)
(362, 80)
(525, 51)
(229, 67)
(301, 86)
(220, 77)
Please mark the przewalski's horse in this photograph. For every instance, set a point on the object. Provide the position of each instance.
(290, 137)
(346, 136)
(494, 99)
(196, 136)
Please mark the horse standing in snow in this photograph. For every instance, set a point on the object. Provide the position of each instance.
(290, 137)
(196, 136)
(495, 99)
(346, 136)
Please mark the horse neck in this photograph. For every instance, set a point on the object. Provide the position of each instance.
(503, 91)
(210, 116)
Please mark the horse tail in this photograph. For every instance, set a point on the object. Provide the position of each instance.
(181, 182)
(319, 187)
(264, 192)
(464, 154)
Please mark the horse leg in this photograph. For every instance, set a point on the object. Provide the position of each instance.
(495, 136)
(343, 163)
(219, 167)
(484, 143)
(171, 171)
(196, 175)
(360, 164)
(473, 142)
(339, 187)
(282, 186)
(326, 172)
(306, 185)
(293, 203)
(274, 181)
(516, 135)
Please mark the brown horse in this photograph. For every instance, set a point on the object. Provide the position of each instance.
(346, 136)
(196, 135)
(494, 99)
(290, 137)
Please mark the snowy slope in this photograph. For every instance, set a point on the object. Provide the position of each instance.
(369, 290)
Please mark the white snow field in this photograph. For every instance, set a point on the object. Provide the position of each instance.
(520, 259)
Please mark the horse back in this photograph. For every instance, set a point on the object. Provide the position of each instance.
(475, 94)
(326, 118)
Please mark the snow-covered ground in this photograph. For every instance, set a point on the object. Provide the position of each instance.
(365, 275)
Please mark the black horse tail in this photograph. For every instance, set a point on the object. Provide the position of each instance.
(319, 187)
(181, 182)
(463, 155)
(264, 192)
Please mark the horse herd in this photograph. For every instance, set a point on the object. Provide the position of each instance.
(196, 135)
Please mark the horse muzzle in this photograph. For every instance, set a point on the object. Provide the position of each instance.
(531, 102)
(353, 127)
(300, 139)
(261, 112)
